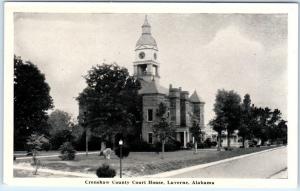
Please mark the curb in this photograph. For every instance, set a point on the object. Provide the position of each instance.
(205, 165)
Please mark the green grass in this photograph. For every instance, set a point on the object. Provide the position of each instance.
(143, 163)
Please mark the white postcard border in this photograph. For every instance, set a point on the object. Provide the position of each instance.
(292, 11)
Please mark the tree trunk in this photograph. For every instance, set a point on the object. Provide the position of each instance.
(35, 161)
(86, 142)
(162, 149)
(196, 146)
(219, 142)
(243, 142)
(228, 140)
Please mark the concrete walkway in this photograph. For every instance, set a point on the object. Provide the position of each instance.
(59, 172)
(54, 155)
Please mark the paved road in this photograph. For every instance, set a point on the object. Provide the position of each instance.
(263, 165)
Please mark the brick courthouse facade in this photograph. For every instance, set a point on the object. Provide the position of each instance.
(181, 106)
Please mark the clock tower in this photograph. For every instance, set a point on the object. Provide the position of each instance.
(146, 66)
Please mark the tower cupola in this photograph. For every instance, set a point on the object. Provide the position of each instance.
(146, 38)
(146, 66)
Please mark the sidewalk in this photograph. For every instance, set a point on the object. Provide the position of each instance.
(53, 155)
(206, 165)
(41, 169)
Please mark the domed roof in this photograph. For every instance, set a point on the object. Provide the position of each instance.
(146, 38)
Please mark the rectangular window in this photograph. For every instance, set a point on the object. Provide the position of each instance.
(150, 138)
(150, 115)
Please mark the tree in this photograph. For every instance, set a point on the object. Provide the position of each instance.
(34, 143)
(31, 102)
(244, 128)
(163, 129)
(281, 130)
(218, 124)
(59, 120)
(260, 125)
(61, 128)
(111, 101)
(273, 124)
(227, 110)
(264, 123)
(196, 131)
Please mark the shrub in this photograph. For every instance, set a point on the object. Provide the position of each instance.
(207, 143)
(214, 144)
(67, 151)
(105, 172)
(60, 137)
(190, 145)
(228, 149)
(171, 145)
(94, 143)
(139, 146)
(125, 151)
(46, 146)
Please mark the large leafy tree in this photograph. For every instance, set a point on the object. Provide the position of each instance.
(246, 117)
(59, 120)
(32, 100)
(265, 123)
(260, 127)
(273, 124)
(111, 101)
(61, 128)
(281, 130)
(227, 110)
(218, 124)
(163, 128)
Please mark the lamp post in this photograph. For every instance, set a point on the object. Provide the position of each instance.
(120, 144)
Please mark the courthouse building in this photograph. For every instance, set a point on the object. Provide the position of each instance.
(181, 105)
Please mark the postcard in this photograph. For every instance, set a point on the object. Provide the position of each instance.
(151, 94)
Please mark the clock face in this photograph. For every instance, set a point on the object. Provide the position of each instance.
(142, 55)
(155, 56)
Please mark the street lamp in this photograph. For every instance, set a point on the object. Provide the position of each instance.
(121, 144)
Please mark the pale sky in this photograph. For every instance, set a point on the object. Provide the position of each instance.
(242, 52)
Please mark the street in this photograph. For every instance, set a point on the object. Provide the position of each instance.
(263, 165)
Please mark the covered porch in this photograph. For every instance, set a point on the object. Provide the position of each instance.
(184, 136)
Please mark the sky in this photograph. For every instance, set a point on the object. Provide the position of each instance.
(246, 53)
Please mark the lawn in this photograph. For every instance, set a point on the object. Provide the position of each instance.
(140, 163)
